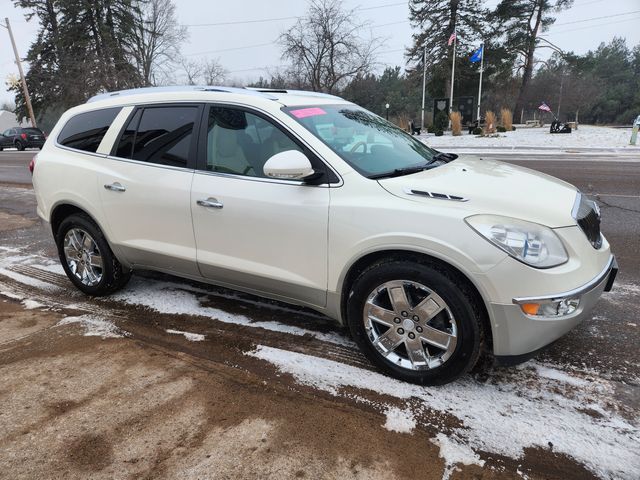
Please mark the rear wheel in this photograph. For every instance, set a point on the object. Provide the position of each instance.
(414, 322)
(87, 258)
(19, 145)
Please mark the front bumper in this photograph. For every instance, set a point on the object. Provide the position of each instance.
(519, 336)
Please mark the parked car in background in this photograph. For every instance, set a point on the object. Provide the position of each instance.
(429, 259)
(22, 137)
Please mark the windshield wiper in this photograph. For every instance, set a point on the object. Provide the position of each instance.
(445, 157)
(402, 171)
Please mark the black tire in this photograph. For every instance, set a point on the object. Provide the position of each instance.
(19, 145)
(446, 284)
(114, 275)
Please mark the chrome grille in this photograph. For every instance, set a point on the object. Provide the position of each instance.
(587, 215)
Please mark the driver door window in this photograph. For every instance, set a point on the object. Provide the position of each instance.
(240, 143)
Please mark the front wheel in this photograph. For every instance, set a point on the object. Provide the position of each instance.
(19, 146)
(87, 258)
(415, 322)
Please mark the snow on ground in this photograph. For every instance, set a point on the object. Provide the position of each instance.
(399, 420)
(164, 297)
(587, 136)
(94, 326)
(192, 337)
(454, 452)
(504, 417)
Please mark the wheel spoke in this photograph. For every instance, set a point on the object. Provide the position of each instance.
(436, 337)
(96, 261)
(398, 297)
(74, 240)
(428, 308)
(380, 315)
(87, 244)
(389, 341)
(416, 351)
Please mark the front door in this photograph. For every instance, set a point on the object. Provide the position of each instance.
(255, 233)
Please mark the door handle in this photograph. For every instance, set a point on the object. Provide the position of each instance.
(115, 187)
(210, 203)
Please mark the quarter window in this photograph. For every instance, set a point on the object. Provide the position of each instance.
(86, 130)
(163, 135)
(240, 143)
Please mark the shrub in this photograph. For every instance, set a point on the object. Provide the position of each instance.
(441, 121)
(439, 133)
(431, 128)
(477, 131)
(506, 119)
(513, 128)
(490, 122)
(501, 129)
(456, 123)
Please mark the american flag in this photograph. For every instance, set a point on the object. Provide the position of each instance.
(451, 38)
(544, 107)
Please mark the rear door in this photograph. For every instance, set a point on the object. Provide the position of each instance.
(145, 188)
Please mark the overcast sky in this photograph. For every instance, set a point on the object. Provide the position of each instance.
(582, 28)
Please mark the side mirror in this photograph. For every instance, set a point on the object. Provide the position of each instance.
(289, 165)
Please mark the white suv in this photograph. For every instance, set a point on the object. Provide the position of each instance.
(307, 198)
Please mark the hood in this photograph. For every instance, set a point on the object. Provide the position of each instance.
(490, 187)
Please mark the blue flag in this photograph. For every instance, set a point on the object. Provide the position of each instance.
(477, 55)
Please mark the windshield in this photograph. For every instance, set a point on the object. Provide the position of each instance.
(370, 144)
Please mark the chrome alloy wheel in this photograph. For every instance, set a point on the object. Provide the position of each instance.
(410, 325)
(83, 257)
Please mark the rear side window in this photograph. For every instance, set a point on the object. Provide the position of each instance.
(160, 135)
(85, 131)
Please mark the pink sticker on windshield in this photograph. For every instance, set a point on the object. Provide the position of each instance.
(307, 112)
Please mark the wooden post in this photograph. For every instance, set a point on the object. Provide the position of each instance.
(25, 90)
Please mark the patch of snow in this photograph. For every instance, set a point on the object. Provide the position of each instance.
(192, 337)
(454, 452)
(399, 420)
(94, 326)
(53, 267)
(31, 304)
(559, 375)
(32, 282)
(631, 324)
(165, 298)
(587, 136)
(8, 294)
(503, 417)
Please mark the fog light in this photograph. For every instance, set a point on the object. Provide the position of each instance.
(551, 309)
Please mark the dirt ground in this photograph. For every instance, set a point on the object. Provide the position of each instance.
(102, 388)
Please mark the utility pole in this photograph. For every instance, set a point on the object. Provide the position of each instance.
(25, 90)
(453, 72)
(424, 84)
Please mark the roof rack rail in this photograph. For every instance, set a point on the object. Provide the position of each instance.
(268, 93)
(177, 88)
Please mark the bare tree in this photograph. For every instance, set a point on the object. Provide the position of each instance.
(213, 72)
(325, 48)
(192, 70)
(156, 40)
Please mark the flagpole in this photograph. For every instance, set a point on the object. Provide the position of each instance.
(424, 83)
(480, 84)
(453, 72)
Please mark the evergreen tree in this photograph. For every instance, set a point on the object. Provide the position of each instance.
(82, 48)
(521, 22)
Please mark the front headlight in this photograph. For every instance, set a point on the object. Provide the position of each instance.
(530, 243)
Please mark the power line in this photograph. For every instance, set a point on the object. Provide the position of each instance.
(265, 20)
(596, 18)
(592, 26)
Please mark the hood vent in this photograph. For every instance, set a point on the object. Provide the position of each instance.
(440, 196)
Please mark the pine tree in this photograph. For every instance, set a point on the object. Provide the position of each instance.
(521, 22)
(82, 48)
